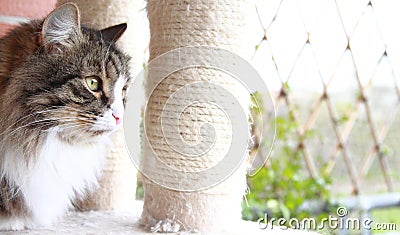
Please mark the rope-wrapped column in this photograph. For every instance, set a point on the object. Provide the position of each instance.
(118, 181)
(182, 106)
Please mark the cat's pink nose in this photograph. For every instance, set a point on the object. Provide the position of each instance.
(117, 119)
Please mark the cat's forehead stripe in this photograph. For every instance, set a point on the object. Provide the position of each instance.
(113, 65)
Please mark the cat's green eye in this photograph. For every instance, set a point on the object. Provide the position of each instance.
(93, 83)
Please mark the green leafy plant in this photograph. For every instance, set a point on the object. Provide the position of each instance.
(283, 186)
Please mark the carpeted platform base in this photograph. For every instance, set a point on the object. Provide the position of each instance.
(110, 222)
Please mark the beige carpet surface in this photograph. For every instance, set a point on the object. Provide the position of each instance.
(110, 222)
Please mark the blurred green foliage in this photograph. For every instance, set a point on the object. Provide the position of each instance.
(281, 188)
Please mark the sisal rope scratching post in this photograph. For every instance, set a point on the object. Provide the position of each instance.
(176, 24)
(118, 182)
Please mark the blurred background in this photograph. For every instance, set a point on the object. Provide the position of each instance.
(332, 67)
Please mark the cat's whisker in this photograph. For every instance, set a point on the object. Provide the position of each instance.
(65, 109)
(73, 125)
(47, 121)
(8, 134)
(82, 131)
(60, 126)
(76, 132)
(27, 116)
(25, 145)
(85, 119)
(79, 110)
(76, 125)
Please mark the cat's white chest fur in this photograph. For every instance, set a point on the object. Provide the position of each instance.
(60, 172)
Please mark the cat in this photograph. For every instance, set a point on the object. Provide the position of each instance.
(62, 93)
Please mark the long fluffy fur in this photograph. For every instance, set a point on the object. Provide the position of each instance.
(54, 129)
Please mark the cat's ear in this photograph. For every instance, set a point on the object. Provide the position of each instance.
(61, 28)
(113, 33)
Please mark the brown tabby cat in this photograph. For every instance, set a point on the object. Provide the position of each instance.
(62, 91)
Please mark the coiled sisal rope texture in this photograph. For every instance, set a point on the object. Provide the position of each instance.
(179, 102)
